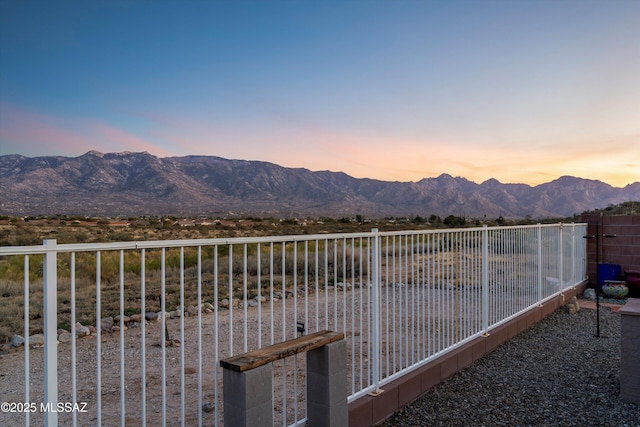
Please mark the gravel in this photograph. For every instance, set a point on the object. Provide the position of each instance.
(557, 373)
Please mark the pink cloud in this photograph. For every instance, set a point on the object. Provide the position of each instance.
(33, 134)
(119, 140)
(23, 132)
(360, 153)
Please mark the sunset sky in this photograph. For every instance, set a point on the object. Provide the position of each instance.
(521, 91)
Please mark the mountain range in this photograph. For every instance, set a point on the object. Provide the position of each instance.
(135, 184)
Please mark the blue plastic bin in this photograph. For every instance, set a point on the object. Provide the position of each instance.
(607, 272)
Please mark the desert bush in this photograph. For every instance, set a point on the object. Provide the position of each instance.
(72, 236)
(10, 288)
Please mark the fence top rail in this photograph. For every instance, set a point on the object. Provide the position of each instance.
(159, 244)
(471, 229)
(259, 357)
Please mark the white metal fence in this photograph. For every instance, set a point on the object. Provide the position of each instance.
(401, 299)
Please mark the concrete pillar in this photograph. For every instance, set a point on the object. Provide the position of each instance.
(630, 351)
(248, 397)
(327, 386)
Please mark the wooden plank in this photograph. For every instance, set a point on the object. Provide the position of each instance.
(262, 356)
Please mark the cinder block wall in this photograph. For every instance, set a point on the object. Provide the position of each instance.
(624, 249)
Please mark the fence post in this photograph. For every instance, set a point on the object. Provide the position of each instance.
(50, 275)
(485, 279)
(540, 264)
(560, 260)
(574, 280)
(375, 310)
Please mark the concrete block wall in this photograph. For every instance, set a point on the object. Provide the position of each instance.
(373, 410)
(253, 396)
(624, 249)
(327, 385)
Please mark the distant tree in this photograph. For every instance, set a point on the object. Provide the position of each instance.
(626, 208)
(455, 221)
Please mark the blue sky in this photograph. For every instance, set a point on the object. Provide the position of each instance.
(521, 91)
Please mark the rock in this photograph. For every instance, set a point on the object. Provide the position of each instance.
(224, 303)
(65, 337)
(589, 294)
(36, 340)
(253, 303)
(82, 331)
(116, 328)
(151, 316)
(106, 323)
(134, 325)
(207, 407)
(125, 319)
(5, 347)
(17, 341)
(62, 331)
(263, 299)
(209, 306)
(192, 310)
(135, 318)
(573, 305)
(208, 310)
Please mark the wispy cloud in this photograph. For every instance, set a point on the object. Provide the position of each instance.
(614, 159)
(34, 134)
(119, 140)
(28, 133)
(363, 154)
